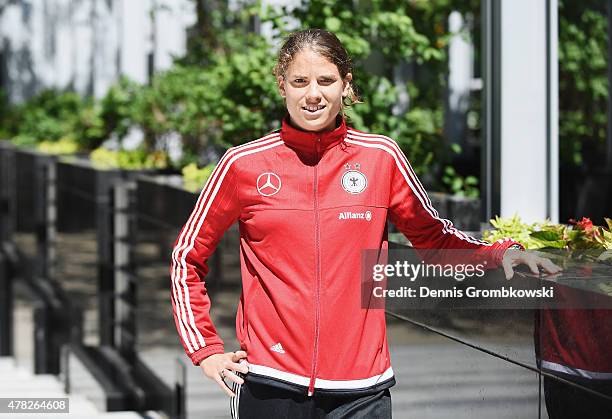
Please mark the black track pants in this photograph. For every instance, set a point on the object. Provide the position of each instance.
(255, 401)
(564, 401)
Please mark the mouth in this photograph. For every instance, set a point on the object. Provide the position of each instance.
(313, 108)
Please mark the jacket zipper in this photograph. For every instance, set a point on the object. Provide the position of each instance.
(317, 274)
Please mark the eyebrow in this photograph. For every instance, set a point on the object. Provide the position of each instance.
(324, 76)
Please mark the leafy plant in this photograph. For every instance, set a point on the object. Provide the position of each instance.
(223, 91)
(583, 81)
(88, 129)
(54, 116)
(6, 116)
(104, 158)
(380, 34)
(48, 116)
(383, 31)
(63, 146)
(118, 109)
(459, 185)
(581, 235)
(194, 177)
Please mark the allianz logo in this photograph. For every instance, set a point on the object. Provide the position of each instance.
(348, 215)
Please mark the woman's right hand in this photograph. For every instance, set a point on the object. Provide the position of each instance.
(218, 367)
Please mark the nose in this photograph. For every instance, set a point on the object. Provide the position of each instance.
(313, 94)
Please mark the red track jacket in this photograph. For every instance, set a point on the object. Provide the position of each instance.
(307, 204)
(575, 342)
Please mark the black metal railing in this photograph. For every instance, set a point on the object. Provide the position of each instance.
(30, 188)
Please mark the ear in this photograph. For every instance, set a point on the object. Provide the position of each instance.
(347, 84)
(280, 82)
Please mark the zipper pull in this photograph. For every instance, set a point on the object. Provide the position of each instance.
(311, 387)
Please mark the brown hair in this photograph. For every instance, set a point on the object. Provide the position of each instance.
(324, 43)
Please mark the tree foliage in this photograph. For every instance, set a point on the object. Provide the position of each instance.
(223, 92)
(380, 35)
(583, 82)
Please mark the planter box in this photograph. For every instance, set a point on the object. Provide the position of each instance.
(84, 192)
(464, 213)
(8, 191)
(164, 199)
(32, 170)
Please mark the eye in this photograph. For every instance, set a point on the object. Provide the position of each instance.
(299, 81)
(327, 81)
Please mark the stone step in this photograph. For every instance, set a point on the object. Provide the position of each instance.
(18, 382)
(80, 415)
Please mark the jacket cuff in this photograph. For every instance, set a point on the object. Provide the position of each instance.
(500, 247)
(203, 353)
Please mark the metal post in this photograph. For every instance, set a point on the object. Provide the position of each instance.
(42, 318)
(491, 99)
(7, 227)
(45, 216)
(106, 278)
(180, 391)
(552, 110)
(7, 193)
(124, 231)
(65, 367)
(6, 306)
(45, 361)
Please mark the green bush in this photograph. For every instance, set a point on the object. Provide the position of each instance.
(228, 103)
(195, 177)
(223, 91)
(386, 31)
(395, 30)
(49, 116)
(63, 146)
(118, 109)
(583, 81)
(56, 116)
(7, 118)
(581, 235)
(103, 158)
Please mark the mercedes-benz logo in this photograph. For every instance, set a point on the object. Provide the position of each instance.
(268, 184)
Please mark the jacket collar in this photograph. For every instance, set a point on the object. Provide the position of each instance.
(312, 141)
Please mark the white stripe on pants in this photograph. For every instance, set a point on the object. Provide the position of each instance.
(235, 400)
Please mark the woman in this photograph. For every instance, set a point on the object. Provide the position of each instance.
(309, 197)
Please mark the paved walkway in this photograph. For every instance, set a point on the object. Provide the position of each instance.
(434, 380)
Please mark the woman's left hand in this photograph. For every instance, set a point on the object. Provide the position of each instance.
(514, 257)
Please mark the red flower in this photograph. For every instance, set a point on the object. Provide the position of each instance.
(585, 224)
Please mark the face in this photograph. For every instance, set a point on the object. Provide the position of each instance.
(313, 91)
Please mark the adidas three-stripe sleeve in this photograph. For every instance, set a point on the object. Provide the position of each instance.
(215, 211)
(413, 214)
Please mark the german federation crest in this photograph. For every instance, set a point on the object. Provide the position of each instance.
(354, 182)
